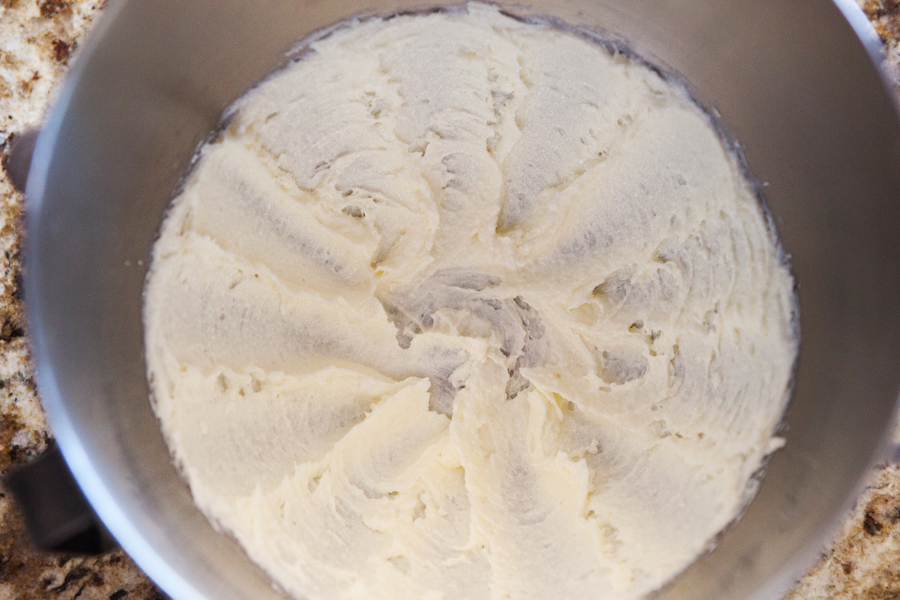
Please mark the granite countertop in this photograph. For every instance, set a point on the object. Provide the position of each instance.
(37, 40)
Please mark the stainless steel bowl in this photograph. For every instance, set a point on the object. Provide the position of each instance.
(794, 80)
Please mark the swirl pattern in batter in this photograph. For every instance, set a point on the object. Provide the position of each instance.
(469, 308)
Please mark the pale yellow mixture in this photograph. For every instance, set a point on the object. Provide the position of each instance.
(462, 307)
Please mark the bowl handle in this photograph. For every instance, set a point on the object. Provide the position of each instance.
(57, 515)
(19, 161)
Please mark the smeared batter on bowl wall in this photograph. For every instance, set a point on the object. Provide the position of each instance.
(464, 307)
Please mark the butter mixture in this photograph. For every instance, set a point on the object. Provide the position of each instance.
(464, 307)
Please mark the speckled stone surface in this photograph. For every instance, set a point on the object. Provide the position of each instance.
(37, 40)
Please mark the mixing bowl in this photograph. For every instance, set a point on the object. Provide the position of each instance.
(793, 80)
